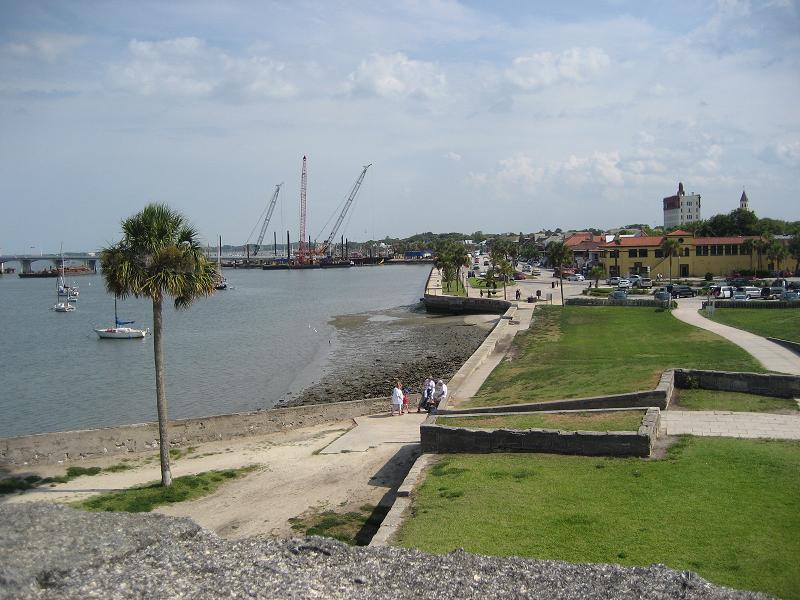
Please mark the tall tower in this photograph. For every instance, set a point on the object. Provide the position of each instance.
(744, 202)
(301, 254)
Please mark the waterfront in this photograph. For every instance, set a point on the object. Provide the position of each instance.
(242, 349)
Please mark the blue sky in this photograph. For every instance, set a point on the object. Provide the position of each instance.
(501, 116)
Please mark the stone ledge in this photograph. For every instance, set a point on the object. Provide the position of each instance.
(764, 384)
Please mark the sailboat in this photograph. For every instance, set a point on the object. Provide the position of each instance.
(221, 283)
(61, 306)
(119, 332)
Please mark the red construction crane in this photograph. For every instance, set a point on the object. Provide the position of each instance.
(301, 254)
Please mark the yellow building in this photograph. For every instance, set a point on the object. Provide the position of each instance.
(695, 257)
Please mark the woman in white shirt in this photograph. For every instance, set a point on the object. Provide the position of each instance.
(397, 399)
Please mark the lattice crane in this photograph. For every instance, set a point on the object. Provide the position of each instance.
(273, 201)
(301, 254)
(326, 246)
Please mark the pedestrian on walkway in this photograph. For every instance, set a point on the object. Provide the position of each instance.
(397, 399)
(518, 294)
(406, 392)
(441, 394)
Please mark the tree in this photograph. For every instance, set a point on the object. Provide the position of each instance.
(596, 273)
(159, 255)
(747, 247)
(670, 248)
(776, 253)
(762, 247)
(559, 254)
(499, 254)
(794, 251)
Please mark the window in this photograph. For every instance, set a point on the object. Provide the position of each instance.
(658, 253)
(642, 252)
(632, 253)
(686, 252)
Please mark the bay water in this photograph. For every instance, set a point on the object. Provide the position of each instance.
(241, 349)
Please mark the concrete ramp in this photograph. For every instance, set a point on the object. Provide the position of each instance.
(374, 430)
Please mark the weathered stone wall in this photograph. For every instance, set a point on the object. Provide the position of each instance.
(440, 439)
(73, 446)
(594, 301)
(753, 304)
(764, 384)
(458, 305)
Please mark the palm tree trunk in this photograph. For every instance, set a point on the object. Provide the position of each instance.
(670, 267)
(161, 395)
(561, 284)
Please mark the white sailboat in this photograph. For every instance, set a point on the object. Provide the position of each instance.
(221, 283)
(119, 331)
(63, 306)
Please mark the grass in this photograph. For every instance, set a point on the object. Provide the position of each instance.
(355, 527)
(624, 420)
(146, 498)
(453, 288)
(696, 399)
(783, 323)
(579, 351)
(18, 484)
(723, 507)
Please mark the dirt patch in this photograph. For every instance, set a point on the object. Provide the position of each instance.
(661, 446)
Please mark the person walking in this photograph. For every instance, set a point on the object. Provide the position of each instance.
(397, 399)
(441, 395)
(406, 392)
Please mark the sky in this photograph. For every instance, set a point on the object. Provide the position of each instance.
(494, 116)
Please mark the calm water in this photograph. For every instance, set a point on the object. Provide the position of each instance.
(241, 349)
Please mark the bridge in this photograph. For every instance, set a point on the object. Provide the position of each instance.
(27, 260)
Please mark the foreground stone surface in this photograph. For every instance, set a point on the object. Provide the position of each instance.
(56, 552)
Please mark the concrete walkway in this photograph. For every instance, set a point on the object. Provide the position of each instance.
(772, 356)
(373, 430)
(730, 424)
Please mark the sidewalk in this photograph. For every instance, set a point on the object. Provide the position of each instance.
(772, 356)
(730, 424)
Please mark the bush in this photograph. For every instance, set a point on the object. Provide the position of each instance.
(709, 276)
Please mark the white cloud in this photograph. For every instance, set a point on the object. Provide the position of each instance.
(189, 67)
(519, 170)
(544, 69)
(46, 47)
(454, 156)
(477, 179)
(787, 153)
(396, 76)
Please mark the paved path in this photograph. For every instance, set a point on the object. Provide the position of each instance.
(374, 430)
(730, 424)
(772, 356)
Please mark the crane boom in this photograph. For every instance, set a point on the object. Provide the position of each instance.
(267, 218)
(347, 204)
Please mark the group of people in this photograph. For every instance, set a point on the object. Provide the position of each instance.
(433, 392)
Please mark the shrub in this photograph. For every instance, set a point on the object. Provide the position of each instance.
(709, 276)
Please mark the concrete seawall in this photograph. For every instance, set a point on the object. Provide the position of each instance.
(459, 305)
(68, 447)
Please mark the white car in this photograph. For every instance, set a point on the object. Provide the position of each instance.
(623, 284)
(576, 277)
(613, 281)
(740, 296)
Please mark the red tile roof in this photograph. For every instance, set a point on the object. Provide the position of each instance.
(679, 232)
(636, 242)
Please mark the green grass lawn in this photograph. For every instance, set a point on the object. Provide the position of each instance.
(624, 420)
(453, 288)
(728, 509)
(692, 399)
(579, 351)
(783, 323)
(146, 498)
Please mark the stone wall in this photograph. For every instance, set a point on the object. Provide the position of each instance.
(440, 439)
(73, 446)
(764, 384)
(458, 305)
(595, 301)
(753, 304)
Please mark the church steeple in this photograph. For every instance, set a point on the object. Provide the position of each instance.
(744, 202)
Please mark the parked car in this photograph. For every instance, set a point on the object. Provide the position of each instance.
(751, 291)
(634, 279)
(740, 295)
(662, 294)
(721, 291)
(576, 277)
(644, 283)
(680, 291)
(790, 296)
(485, 262)
(519, 276)
(618, 295)
(482, 274)
(623, 284)
(526, 268)
(613, 281)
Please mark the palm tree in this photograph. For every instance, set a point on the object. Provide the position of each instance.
(670, 248)
(794, 251)
(747, 247)
(776, 253)
(596, 273)
(459, 258)
(559, 254)
(159, 255)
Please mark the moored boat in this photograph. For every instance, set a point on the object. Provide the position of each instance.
(119, 331)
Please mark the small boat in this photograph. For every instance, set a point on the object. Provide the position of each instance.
(221, 283)
(61, 306)
(70, 291)
(119, 332)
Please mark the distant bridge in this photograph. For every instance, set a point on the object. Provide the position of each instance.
(27, 260)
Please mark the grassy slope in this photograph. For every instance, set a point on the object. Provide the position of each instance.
(582, 421)
(735, 401)
(776, 322)
(725, 508)
(603, 350)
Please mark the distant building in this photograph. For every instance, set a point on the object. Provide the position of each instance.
(681, 209)
(586, 248)
(744, 202)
